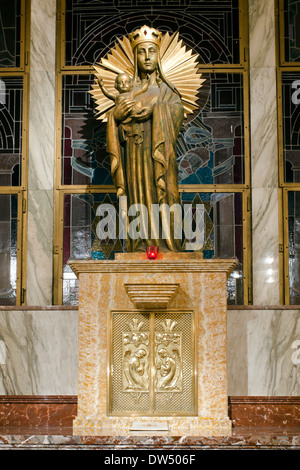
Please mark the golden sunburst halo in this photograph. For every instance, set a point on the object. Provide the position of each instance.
(180, 66)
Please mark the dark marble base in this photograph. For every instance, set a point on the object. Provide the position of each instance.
(62, 438)
(60, 411)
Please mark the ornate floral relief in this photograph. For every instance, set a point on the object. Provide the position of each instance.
(167, 360)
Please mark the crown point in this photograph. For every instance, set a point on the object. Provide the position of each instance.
(145, 34)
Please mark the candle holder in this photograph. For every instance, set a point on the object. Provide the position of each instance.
(152, 252)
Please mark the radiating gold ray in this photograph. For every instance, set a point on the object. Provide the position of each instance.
(182, 84)
(178, 54)
(122, 60)
(176, 57)
(126, 47)
(179, 67)
(189, 97)
(166, 39)
(169, 48)
(111, 65)
(182, 75)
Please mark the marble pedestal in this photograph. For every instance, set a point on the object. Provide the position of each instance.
(174, 282)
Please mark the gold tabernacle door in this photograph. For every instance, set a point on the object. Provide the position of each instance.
(152, 365)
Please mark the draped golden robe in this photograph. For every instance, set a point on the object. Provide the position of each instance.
(143, 162)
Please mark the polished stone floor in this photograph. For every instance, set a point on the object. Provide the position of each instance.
(47, 438)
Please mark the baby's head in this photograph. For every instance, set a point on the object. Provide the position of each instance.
(123, 82)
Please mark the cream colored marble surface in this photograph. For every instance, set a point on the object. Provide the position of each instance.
(265, 246)
(267, 345)
(201, 289)
(264, 153)
(262, 33)
(40, 352)
(39, 247)
(41, 152)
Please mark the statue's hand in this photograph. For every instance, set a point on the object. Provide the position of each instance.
(143, 115)
(123, 109)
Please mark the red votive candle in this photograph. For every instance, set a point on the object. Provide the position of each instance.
(152, 252)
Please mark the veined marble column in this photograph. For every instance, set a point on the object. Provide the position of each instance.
(41, 153)
(264, 156)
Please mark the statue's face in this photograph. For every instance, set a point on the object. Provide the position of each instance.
(147, 57)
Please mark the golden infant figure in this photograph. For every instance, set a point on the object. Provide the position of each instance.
(124, 85)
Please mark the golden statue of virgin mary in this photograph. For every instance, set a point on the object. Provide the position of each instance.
(157, 82)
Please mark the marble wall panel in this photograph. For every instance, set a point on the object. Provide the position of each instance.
(262, 352)
(39, 247)
(264, 157)
(265, 246)
(39, 352)
(264, 153)
(41, 152)
(271, 339)
(262, 33)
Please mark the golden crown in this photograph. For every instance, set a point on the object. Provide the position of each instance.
(145, 34)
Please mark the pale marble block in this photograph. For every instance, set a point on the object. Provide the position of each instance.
(39, 248)
(262, 33)
(261, 352)
(265, 243)
(41, 153)
(237, 352)
(41, 131)
(270, 338)
(263, 111)
(43, 31)
(42, 95)
(41, 352)
(264, 153)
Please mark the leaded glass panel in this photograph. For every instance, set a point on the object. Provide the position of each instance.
(8, 248)
(223, 233)
(84, 158)
(294, 246)
(209, 28)
(211, 146)
(11, 95)
(291, 33)
(291, 126)
(10, 15)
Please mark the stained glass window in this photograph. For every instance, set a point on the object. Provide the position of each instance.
(11, 94)
(210, 28)
(291, 126)
(8, 248)
(223, 233)
(291, 31)
(223, 238)
(84, 158)
(294, 246)
(211, 144)
(10, 14)
(80, 236)
(210, 148)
